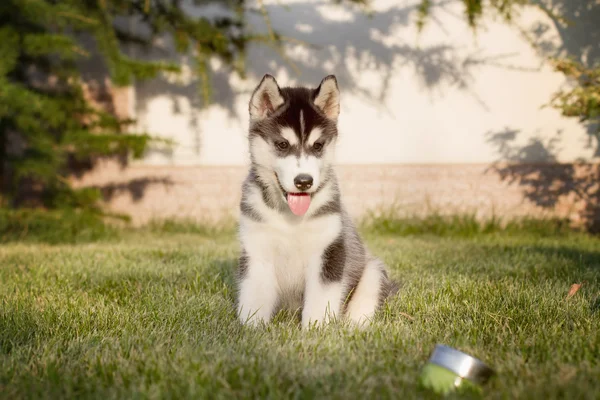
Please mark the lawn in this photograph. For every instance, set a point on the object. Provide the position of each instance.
(151, 315)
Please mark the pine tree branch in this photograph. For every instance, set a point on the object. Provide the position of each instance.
(81, 18)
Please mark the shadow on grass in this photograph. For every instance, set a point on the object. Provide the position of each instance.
(391, 222)
(217, 277)
(54, 227)
(538, 261)
(595, 306)
(71, 226)
(560, 262)
(17, 328)
(127, 309)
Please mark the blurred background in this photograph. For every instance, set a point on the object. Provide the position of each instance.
(139, 108)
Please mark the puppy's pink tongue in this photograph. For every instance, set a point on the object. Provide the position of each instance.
(298, 202)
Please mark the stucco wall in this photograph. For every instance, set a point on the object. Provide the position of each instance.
(212, 193)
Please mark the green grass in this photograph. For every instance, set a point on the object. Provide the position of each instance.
(75, 226)
(390, 221)
(150, 314)
(56, 226)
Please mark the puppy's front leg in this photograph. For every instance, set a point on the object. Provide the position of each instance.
(258, 291)
(322, 296)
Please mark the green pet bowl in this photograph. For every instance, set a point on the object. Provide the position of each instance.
(451, 370)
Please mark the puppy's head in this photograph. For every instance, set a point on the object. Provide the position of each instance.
(292, 136)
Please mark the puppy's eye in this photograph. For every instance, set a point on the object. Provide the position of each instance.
(318, 146)
(283, 145)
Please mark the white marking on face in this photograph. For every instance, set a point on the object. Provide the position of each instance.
(302, 124)
(314, 135)
(290, 167)
(289, 135)
(329, 152)
(287, 168)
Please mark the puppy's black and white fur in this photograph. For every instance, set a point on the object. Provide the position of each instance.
(292, 257)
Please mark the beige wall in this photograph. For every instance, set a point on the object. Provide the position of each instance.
(212, 193)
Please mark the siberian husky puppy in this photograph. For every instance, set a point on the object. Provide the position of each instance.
(299, 247)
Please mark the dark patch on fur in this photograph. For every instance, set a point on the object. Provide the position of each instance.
(264, 189)
(332, 207)
(358, 263)
(354, 278)
(297, 100)
(327, 176)
(291, 150)
(334, 259)
(272, 196)
(249, 211)
(245, 206)
(243, 264)
(311, 151)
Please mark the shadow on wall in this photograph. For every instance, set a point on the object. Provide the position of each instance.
(135, 187)
(534, 166)
(544, 181)
(577, 23)
(331, 39)
(347, 41)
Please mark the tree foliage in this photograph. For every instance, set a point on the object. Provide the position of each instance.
(583, 99)
(474, 10)
(47, 122)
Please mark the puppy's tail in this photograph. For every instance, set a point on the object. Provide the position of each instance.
(389, 287)
(393, 287)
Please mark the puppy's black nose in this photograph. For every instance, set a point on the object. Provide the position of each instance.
(303, 181)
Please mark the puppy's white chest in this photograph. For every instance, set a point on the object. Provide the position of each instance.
(290, 247)
(290, 264)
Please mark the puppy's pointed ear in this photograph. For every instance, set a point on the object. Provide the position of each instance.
(327, 97)
(266, 98)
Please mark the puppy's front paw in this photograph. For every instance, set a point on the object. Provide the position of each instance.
(253, 319)
(315, 321)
